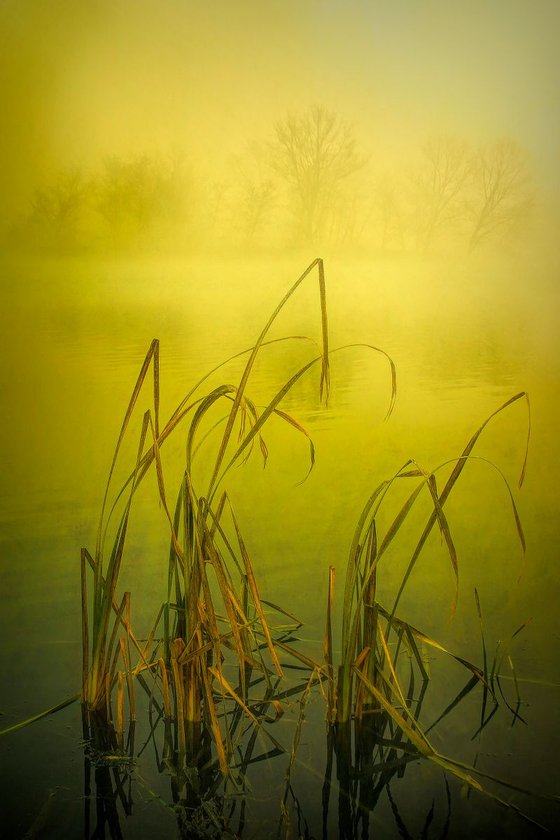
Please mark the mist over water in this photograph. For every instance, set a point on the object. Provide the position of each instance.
(171, 126)
(168, 170)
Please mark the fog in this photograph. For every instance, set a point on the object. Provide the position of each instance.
(168, 169)
(105, 103)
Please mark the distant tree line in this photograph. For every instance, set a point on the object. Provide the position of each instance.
(125, 203)
(309, 184)
(458, 194)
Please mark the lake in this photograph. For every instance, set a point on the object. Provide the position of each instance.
(465, 336)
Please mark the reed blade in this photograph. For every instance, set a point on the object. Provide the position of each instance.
(41, 715)
(151, 356)
(448, 487)
(250, 363)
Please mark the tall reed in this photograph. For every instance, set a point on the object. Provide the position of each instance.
(373, 709)
(213, 616)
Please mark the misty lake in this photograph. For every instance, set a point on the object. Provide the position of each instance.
(465, 336)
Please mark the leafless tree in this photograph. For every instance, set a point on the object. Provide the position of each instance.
(501, 191)
(141, 197)
(387, 213)
(255, 193)
(258, 200)
(57, 210)
(315, 153)
(440, 186)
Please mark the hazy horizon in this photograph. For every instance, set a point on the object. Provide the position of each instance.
(177, 80)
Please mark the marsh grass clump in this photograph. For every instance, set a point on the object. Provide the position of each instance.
(213, 631)
(367, 626)
(212, 668)
(376, 692)
(213, 662)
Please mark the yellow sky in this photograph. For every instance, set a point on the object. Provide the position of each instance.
(82, 80)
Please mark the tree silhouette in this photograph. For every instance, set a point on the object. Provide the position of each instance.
(57, 212)
(315, 153)
(502, 196)
(386, 219)
(440, 186)
(141, 197)
(255, 193)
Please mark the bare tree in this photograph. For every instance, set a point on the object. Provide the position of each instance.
(141, 197)
(386, 212)
(57, 211)
(255, 193)
(259, 198)
(315, 153)
(440, 186)
(502, 196)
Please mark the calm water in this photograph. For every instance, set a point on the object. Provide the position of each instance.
(464, 338)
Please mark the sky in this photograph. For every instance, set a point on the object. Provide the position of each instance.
(83, 80)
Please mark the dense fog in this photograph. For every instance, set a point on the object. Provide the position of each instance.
(181, 127)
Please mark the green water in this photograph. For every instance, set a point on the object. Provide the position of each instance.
(464, 338)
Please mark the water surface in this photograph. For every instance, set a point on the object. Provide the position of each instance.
(464, 338)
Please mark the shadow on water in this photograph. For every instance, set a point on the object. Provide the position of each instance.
(108, 774)
(364, 758)
(367, 756)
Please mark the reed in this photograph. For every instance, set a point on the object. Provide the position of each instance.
(373, 709)
(213, 661)
(214, 620)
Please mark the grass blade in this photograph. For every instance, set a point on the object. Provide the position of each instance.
(45, 713)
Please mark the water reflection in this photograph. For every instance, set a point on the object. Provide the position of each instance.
(110, 766)
(76, 349)
(362, 787)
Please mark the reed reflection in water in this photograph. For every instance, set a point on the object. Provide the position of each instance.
(275, 573)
